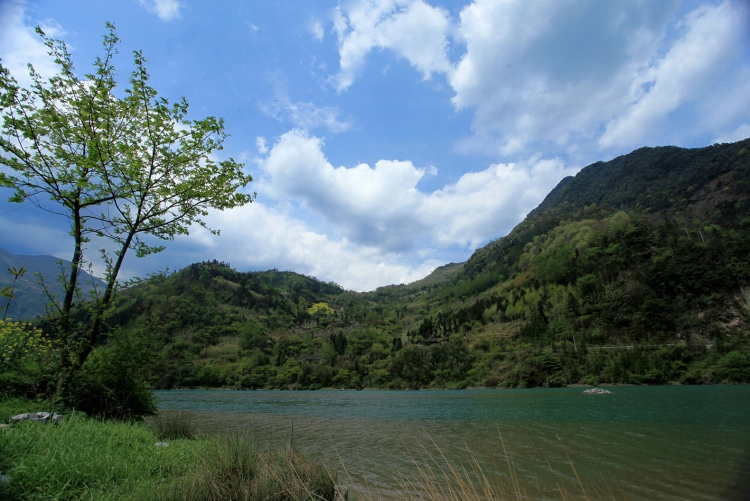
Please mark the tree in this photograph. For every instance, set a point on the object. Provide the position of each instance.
(129, 169)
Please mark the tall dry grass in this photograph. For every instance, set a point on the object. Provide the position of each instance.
(236, 469)
(435, 477)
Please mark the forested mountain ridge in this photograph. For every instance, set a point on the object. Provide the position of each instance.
(635, 271)
(708, 184)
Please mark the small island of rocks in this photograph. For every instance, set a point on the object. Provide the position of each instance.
(596, 391)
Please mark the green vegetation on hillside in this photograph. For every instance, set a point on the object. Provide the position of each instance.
(590, 288)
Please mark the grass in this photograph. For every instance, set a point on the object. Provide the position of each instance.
(235, 469)
(14, 406)
(88, 459)
(173, 426)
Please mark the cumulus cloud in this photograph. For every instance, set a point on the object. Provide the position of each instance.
(555, 76)
(20, 45)
(167, 10)
(307, 115)
(259, 237)
(412, 29)
(567, 76)
(261, 145)
(382, 207)
(551, 72)
(691, 68)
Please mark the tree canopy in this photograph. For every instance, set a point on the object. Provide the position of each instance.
(127, 168)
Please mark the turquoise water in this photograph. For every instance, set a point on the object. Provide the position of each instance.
(640, 443)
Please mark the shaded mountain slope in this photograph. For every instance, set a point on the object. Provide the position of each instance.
(31, 300)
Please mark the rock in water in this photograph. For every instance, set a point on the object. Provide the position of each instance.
(596, 391)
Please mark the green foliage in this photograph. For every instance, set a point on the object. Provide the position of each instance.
(114, 383)
(733, 367)
(20, 343)
(119, 168)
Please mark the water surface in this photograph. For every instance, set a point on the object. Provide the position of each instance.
(640, 443)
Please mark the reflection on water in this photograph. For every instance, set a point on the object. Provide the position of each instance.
(641, 443)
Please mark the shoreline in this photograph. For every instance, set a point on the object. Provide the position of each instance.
(569, 386)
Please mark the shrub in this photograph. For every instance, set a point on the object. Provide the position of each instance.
(114, 381)
(733, 367)
(173, 426)
(21, 343)
(693, 376)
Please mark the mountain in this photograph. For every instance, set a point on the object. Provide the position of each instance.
(709, 184)
(30, 299)
(634, 271)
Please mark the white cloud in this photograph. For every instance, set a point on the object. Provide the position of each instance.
(412, 29)
(20, 45)
(382, 206)
(307, 115)
(567, 76)
(550, 72)
(259, 237)
(167, 10)
(738, 134)
(316, 29)
(686, 72)
(261, 145)
(487, 204)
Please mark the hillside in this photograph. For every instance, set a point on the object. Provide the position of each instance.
(634, 271)
(31, 300)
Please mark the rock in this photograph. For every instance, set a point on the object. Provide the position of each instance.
(596, 391)
(42, 417)
(342, 493)
(162, 444)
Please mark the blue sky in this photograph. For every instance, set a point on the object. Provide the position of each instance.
(387, 137)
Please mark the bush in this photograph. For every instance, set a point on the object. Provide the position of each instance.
(733, 367)
(114, 382)
(693, 376)
(25, 355)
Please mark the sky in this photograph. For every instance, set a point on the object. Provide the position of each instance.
(389, 137)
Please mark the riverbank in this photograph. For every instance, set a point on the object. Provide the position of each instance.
(89, 459)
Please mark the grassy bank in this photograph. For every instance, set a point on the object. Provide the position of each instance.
(88, 459)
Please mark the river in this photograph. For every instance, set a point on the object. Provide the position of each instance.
(639, 443)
